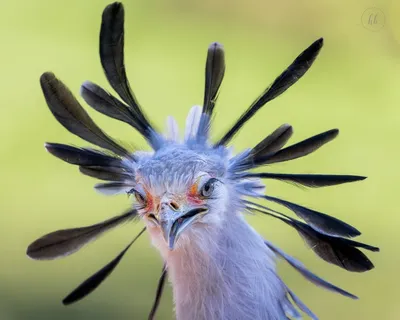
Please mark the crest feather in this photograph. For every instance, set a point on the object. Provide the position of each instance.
(192, 122)
(172, 129)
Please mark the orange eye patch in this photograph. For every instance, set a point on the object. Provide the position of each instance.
(147, 200)
(193, 189)
(193, 193)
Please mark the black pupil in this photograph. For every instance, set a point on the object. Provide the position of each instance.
(207, 189)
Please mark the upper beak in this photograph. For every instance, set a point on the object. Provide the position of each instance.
(174, 222)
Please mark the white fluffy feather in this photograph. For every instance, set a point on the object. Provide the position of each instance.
(192, 122)
(172, 129)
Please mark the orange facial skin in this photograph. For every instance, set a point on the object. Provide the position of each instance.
(193, 196)
(150, 201)
(152, 204)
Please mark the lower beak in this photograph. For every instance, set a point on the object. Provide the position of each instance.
(174, 223)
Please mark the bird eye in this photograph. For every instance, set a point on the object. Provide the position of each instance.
(208, 188)
(138, 196)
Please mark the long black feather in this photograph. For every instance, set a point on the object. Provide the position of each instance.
(106, 173)
(62, 243)
(112, 60)
(318, 220)
(90, 284)
(112, 52)
(159, 292)
(299, 149)
(73, 117)
(308, 180)
(339, 251)
(82, 156)
(307, 273)
(274, 142)
(107, 104)
(289, 77)
(215, 70)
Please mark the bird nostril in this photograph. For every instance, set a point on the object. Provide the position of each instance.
(174, 205)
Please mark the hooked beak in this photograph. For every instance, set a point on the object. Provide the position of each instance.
(173, 223)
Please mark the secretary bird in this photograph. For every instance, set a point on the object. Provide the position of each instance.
(192, 193)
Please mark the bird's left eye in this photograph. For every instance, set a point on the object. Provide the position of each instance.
(208, 188)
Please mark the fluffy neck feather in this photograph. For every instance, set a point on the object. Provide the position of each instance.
(231, 275)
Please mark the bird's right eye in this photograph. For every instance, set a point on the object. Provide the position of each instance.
(140, 198)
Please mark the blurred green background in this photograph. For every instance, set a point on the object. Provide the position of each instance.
(353, 86)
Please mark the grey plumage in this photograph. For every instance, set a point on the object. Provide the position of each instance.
(191, 194)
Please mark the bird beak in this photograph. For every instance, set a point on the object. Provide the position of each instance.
(173, 223)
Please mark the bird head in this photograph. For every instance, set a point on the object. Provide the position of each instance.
(179, 193)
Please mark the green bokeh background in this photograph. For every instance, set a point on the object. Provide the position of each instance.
(353, 85)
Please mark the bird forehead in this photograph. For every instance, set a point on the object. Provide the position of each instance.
(176, 169)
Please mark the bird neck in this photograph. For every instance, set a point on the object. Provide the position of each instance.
(223, 274)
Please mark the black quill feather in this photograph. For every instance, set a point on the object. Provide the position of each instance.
(274, 142)
(318, 220)
(308, 180)
(106, 173)
(112, 60)
(215, 70)
(307, 273)
(62, 243)
(82, 156)
(339, 251)
(107, 104)
(90, 284)
(159, 292)
(289, 77)
(299, 149)
(73, 117)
